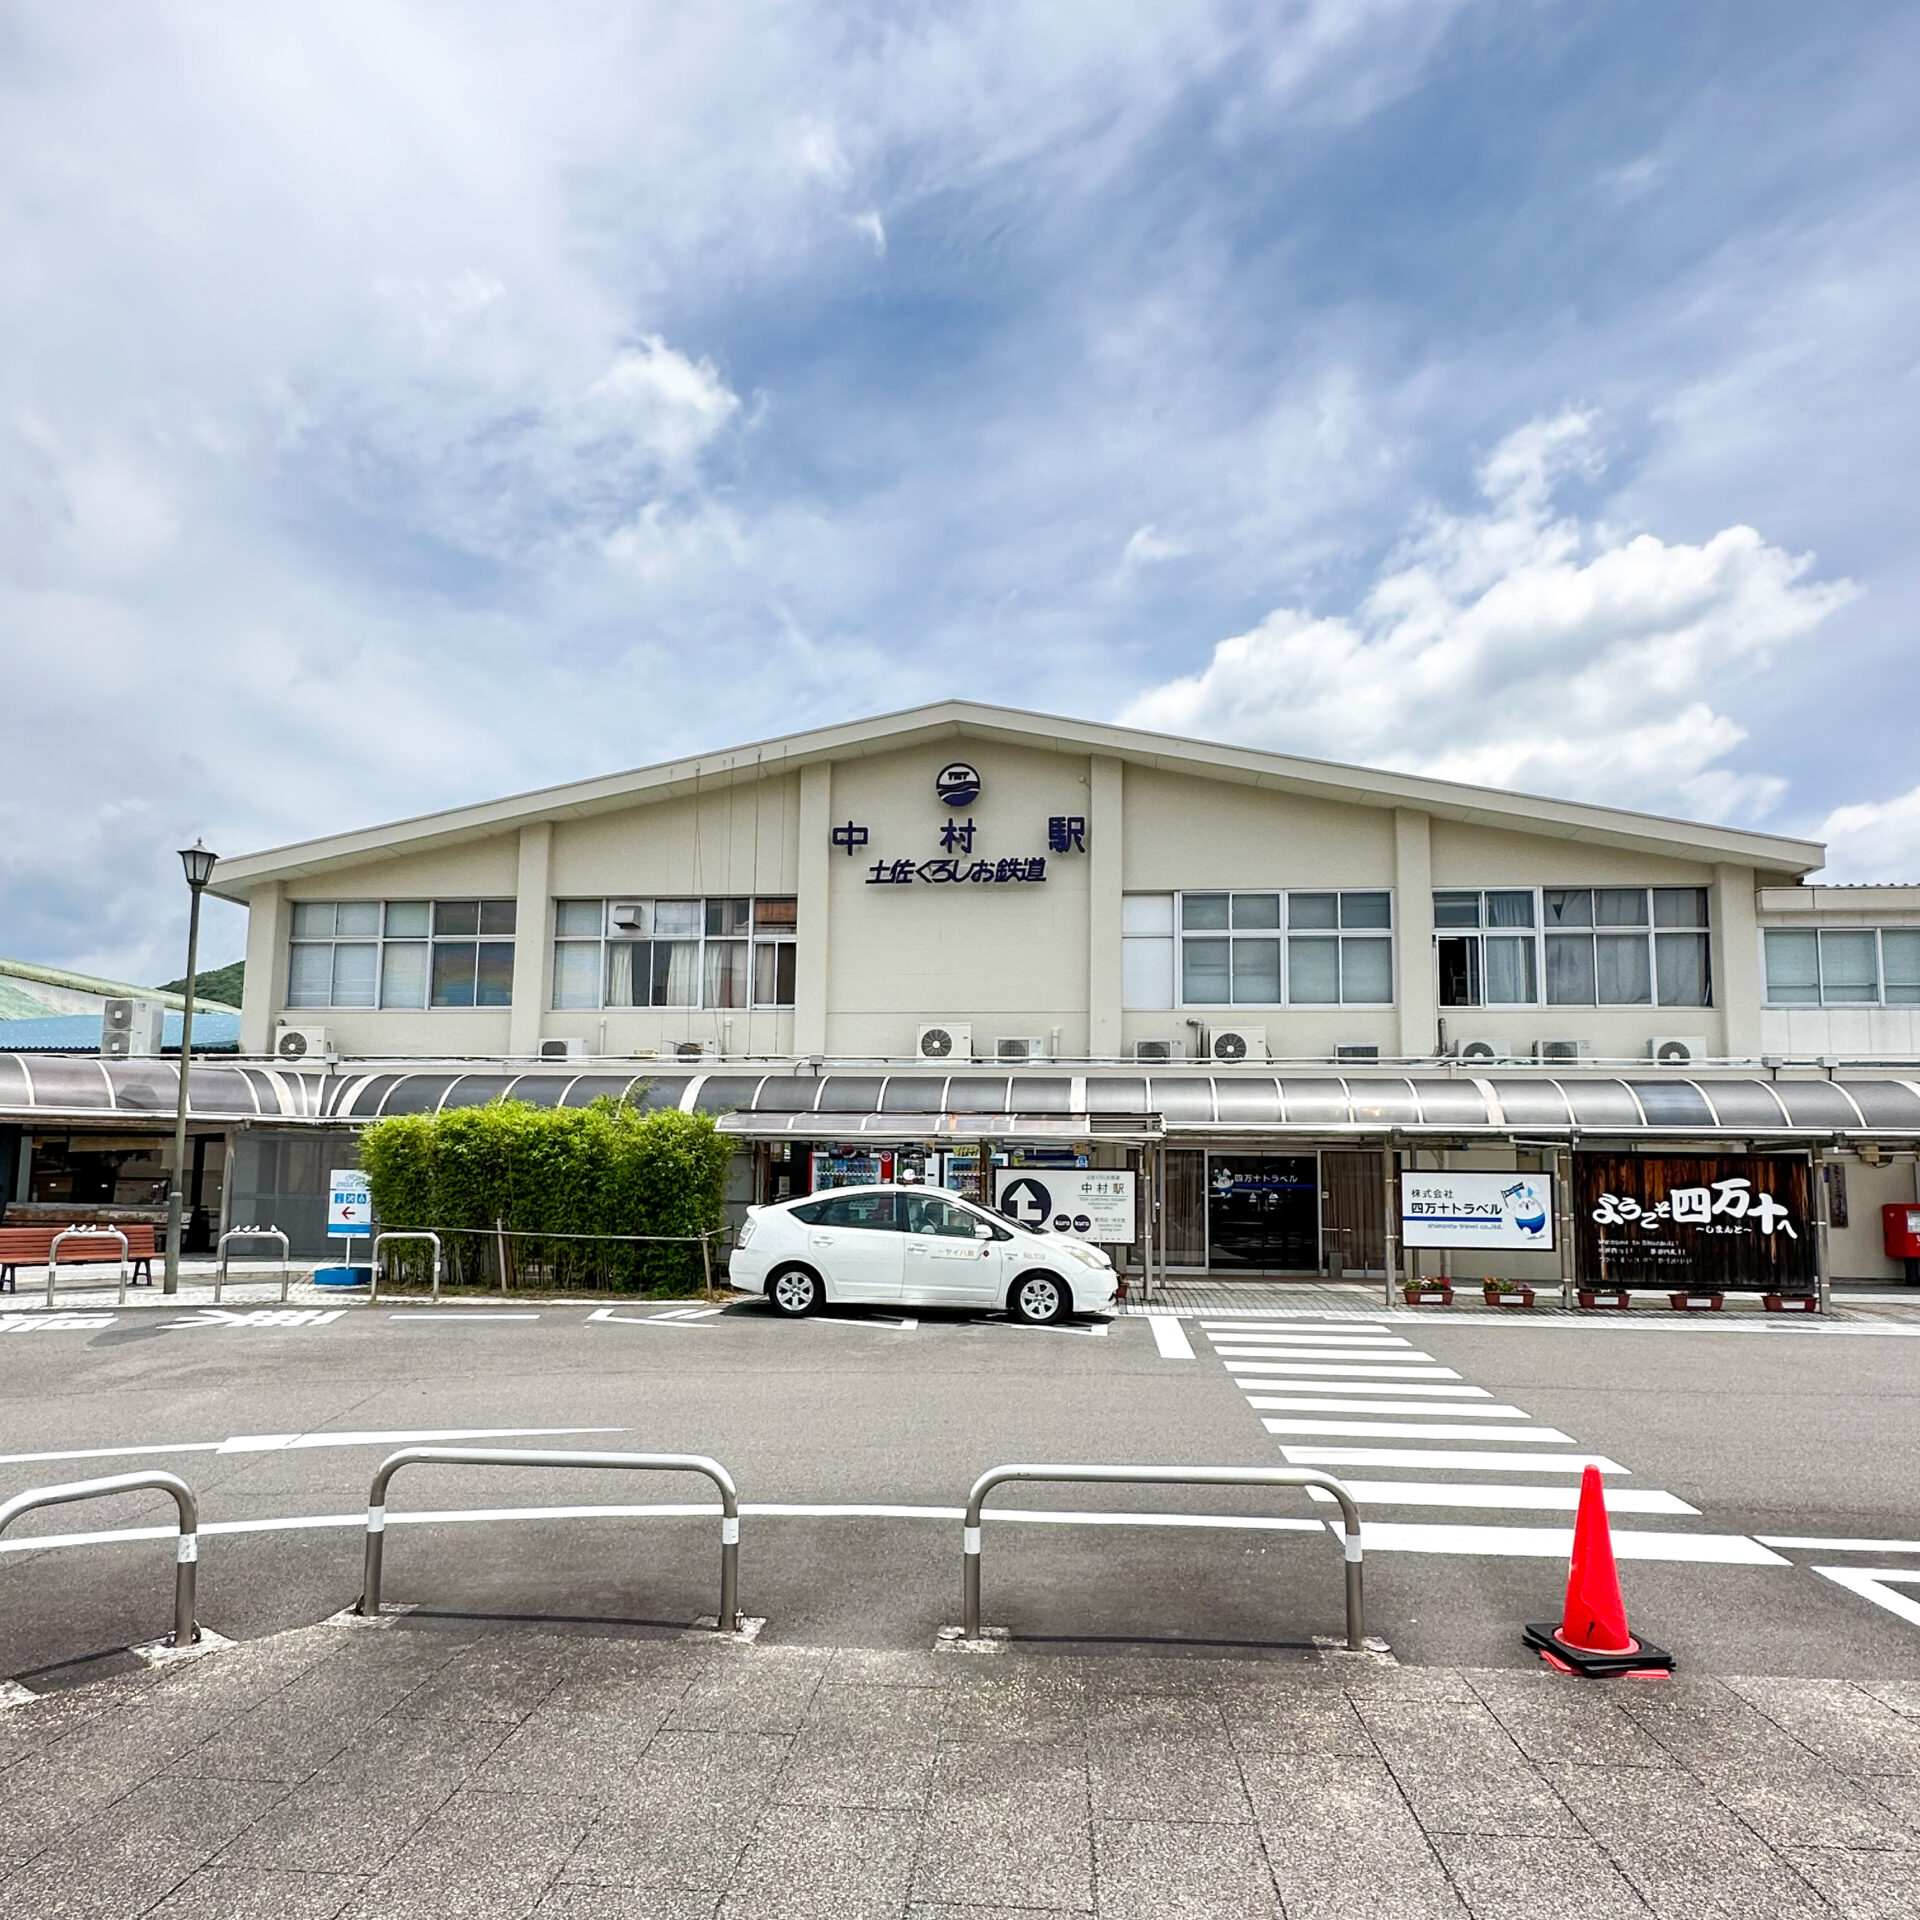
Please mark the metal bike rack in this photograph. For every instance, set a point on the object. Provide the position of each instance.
(728, 1617)
(88, 1233)
(381, 1239)
(1167, 1477)
(255, 1233)
(186, 1556)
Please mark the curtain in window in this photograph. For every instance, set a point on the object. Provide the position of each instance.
(1680, 964)
(403, 974)
(1366, 972)
(1256, 973)
(354, 968)
(1313, 972)
(1793, 968)
(1900, 954)
(1849, 968)
(1569, 970)
(622, 974)
(1621, 975)
(576, 974)
(1204, 976)
(676, 972)
(1509, 972)
(726, 982)
(310, 976)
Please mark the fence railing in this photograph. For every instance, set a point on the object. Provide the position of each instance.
(381, 1239)
(255, 1233)
(89, 1233)
(465, 1248)
(186, 1556)
(728, 1616)
(1165, 1477)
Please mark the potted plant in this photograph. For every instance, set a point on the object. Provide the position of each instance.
(1427, 1293)
(1690, 1302)
(1791, 1302)
(1507, 1293)
(1605, 1295)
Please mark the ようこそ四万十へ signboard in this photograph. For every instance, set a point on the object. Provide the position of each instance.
(1720, 1224)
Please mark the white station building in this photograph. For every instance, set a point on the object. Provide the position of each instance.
(965, 942)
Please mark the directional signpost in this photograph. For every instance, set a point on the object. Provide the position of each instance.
(1082, 1203)
(349, 1210)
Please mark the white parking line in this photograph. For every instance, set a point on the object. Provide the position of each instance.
(604, 1314)
(432, 1316)
(1398, 1389)
(301, 1442)
(1838, 1546)
(1169, 1337)
(1447, 1410)
(1461, 1461)
(1475, 1493)
(1556, 1543)
(1239, 1338)
(1413, 1430)
(1328, 1358)
(1870, 1583)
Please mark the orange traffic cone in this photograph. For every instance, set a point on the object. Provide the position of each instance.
(1592, 1639)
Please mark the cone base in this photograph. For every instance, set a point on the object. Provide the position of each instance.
(1641, 1657)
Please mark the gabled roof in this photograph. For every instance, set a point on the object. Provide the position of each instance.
(17, 1002)
(947, 720)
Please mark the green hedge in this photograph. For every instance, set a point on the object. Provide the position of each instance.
(603, 1169)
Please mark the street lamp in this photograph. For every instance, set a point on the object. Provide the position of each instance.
(199, 865)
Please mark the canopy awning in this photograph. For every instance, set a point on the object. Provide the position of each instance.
(1099, 1103)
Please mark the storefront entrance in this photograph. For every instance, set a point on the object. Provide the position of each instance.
(1229, 1211)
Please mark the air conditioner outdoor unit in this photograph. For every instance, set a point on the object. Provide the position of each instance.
(1228, 1044)
(130, 1027)
(627, 913)
(1686, 1050)
(1486, 1052)
(1355, 1050)
(1020, 1051)
(563, 1049)
(696, 1049)
(313, 1045)
(945, 1040)
(1559, 1049)
(1159, 1049)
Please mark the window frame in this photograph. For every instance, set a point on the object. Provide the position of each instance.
(777, 933)
(1821, 1003)
(1282, 933)
(422, 948)
(1589, 931)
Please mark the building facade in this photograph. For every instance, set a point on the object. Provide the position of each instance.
(962, 935)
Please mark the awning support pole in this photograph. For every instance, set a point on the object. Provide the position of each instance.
(1822, 1220)
(1563, 1223)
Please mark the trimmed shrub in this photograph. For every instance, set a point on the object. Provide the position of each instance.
(549, 1174)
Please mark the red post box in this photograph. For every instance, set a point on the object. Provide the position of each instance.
(1900, 1230)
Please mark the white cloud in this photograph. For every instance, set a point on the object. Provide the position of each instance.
(1149, 544)
(1874, 840)
(1521, 648)
(870, 224)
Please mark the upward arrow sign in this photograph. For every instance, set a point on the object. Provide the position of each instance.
(1026, 1204)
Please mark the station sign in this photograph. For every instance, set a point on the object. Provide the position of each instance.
(1710, 1224)
(1082, 1203)
(349, 1202)
(1503, 1210)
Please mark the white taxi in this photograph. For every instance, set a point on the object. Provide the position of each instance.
(914, 1246)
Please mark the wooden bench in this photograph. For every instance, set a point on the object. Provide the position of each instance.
(32, 1246)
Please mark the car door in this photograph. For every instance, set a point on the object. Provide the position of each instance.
(854, 1240)
(947, 1262)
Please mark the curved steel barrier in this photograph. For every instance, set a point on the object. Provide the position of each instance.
(381, 1239)
(186, 1555)
(1167, 1477)
(89, 1233)
(255, 1233)
(727, 1619)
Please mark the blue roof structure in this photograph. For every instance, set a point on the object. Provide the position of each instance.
(80, 1033)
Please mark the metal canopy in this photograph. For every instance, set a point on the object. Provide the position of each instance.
(1113, 1103)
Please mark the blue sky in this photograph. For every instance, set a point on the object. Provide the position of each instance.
(407, 403)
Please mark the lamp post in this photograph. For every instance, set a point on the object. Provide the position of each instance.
(199, 865)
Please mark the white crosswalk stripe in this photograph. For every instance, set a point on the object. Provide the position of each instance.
(1336, 1395)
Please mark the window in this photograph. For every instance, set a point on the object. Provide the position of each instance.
(730, 952)
(401, 953)
(1256, 949)
(927, 1213)
(1573, 947)
(862, 1209)
(1835, 967)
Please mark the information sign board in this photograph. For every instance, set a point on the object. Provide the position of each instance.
(1720, 1224)
(1505, 1210)
(349, 1204)
(1081, 1202)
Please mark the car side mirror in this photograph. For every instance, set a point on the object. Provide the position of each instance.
(981, 1231)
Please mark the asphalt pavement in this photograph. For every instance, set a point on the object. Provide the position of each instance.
(854, 1438)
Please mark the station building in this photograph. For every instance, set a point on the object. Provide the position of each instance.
(962, 941)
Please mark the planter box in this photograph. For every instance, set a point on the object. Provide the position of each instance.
(1602, 1297)
(1519, 1297)
(1791, 1302)
(1427, 1296)
(1696, 1302)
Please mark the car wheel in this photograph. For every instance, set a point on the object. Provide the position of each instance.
(794, 1291)
(1039, 1299)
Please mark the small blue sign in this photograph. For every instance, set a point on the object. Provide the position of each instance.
(957, 784)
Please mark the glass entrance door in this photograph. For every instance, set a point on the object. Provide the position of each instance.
(1263, 1212)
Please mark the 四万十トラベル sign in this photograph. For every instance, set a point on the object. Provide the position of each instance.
(1476, 1210)
(1720, 1224)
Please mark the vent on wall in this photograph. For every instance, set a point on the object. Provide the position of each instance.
(945, 1040)
(1229, 1044)
(1355, 1050)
